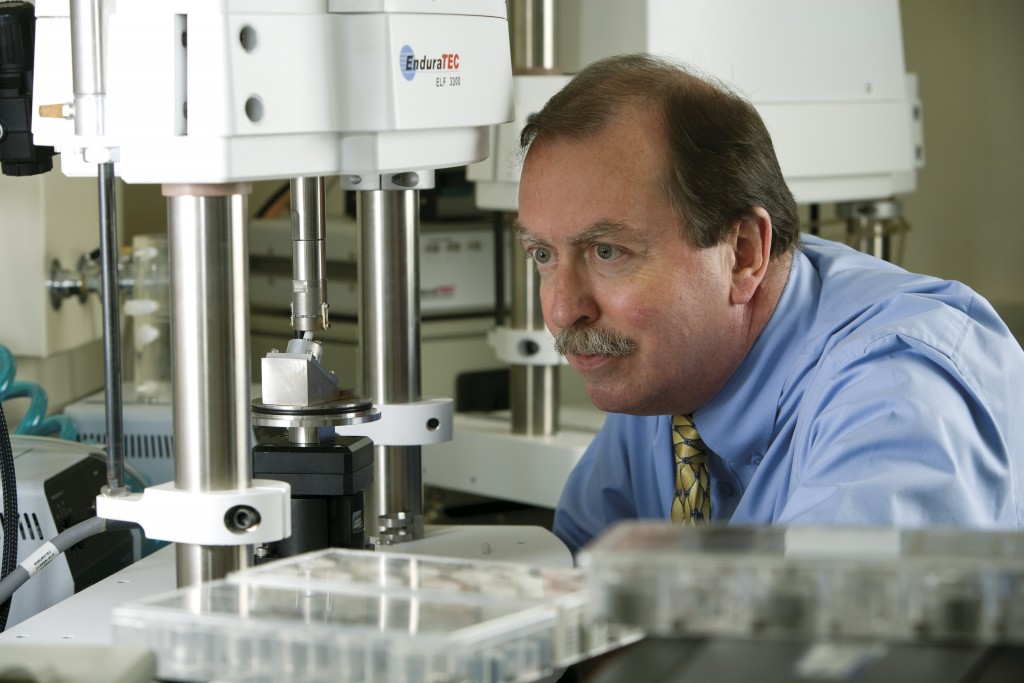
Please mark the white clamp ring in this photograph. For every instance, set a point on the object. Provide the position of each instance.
(422, 423)
(260, 514)
(524, 347)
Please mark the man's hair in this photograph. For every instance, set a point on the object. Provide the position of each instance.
(721, 162)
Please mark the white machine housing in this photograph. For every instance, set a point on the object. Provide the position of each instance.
(496, 179)
(215, 92)
(828, 78)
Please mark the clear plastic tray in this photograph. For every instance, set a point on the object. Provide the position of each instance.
(346, 615)
(403, 574)
(898, 585)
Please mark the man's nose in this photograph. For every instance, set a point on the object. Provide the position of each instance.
(566, 298)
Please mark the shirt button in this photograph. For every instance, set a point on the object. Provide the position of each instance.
(755, 459)
(725, 489)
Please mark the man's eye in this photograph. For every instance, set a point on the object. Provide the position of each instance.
(606, 252)
(540, 255)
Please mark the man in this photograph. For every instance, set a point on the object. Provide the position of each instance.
(827, 386)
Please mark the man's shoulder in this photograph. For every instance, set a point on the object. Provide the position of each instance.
(863, 299)
(835, 261)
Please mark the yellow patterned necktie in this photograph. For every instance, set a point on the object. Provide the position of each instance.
(692, 503)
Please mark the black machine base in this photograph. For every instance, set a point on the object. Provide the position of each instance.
(328, 480)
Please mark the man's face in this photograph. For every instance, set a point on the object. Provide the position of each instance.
(612, 259)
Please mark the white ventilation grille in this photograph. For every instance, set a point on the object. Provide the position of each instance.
(141, 446)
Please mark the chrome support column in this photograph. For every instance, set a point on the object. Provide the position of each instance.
(875, 227)
(210, 349)
(533, 389)
(389, 329)
(532, 26)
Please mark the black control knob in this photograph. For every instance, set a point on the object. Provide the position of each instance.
(18, 155)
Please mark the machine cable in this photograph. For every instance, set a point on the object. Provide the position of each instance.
(50, 550)
(10, 518)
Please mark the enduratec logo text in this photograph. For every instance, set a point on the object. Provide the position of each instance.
(409, 63)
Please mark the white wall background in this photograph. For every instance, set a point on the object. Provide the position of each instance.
(966, 214)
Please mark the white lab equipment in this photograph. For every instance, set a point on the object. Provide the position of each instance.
(828, 78)
(205, 98)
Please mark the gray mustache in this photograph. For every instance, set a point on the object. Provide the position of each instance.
(586, 341)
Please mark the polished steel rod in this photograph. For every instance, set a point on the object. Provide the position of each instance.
(210, 333)
(533, 389)
(532, 27)
(88, 76)
(389, 329)
(309, 255)
(113, 399)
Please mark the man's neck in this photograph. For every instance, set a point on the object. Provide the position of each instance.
(768, 294)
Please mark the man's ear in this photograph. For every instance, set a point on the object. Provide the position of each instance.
(752, 245)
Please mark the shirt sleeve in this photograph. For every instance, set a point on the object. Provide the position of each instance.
(898, 434)
(615, 479)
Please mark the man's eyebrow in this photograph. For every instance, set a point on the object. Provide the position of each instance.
(595, 233)
(520, 232)
(603, 230)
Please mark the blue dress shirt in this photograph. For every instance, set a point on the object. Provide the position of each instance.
(873, 396)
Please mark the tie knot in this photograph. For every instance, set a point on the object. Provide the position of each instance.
(685, 432)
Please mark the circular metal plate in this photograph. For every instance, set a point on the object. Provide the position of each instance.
(348, 411)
